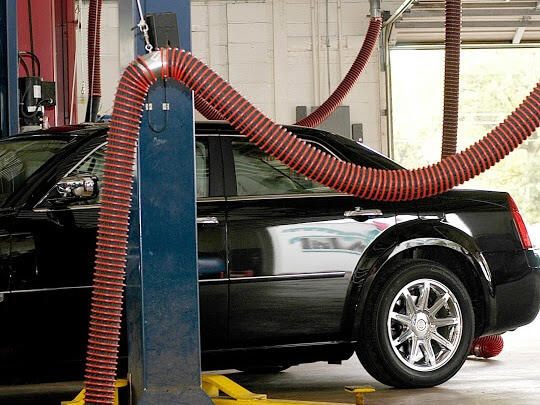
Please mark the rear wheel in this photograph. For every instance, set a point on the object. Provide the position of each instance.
(417, 326)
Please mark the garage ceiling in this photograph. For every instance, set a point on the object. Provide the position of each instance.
(484, 22)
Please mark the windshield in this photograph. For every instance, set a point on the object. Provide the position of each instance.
(20, 159)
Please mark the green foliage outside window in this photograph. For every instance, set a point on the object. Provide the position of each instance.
(493, 82)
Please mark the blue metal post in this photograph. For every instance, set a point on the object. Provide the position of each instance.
(163, 305)
(9, 116)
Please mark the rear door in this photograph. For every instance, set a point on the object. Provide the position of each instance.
(293, 246)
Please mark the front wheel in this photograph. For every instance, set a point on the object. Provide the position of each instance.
(417, 326)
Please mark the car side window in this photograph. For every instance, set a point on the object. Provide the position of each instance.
(260, 174)
(94, 164)
(202, 172)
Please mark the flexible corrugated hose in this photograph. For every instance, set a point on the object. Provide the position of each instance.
(374, 184)
(487, 346)
(336, 98)
(452, 51)
(94, 60)
(206, 109)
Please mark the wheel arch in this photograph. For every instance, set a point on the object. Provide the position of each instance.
(435, 241)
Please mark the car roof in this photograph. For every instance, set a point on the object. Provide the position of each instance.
(341, 143)
(201, 127)
(62, 132)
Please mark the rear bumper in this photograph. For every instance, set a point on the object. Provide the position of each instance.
(516, 282)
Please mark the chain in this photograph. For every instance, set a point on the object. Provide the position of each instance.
(143, 27)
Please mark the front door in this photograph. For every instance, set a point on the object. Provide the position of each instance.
(7, 353)
(52, 258)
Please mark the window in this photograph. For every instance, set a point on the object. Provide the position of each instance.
(202, 169)
(260, 174)
(20, 159)
(493, 82)
(94, 163)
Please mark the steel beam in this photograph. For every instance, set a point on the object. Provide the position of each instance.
(162, 285)
(9, 116)
(420, 25)
(486, 13)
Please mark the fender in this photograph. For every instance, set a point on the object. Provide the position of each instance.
(401, 238)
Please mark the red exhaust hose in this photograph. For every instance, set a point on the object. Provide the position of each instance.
(383, 185)
(336, 98)
(452, 49)
(94, 60)
(487, 346)
(206, 109)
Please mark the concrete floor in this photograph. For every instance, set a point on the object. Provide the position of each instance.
(511, 378)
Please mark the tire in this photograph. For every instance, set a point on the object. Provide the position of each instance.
(439, 331)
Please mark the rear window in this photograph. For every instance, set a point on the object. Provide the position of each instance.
(19, 159)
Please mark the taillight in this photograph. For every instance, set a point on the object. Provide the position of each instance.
(520, 224)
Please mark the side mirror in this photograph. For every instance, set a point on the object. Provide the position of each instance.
(78, 188)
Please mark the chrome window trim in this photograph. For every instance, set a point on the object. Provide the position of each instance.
(73, 208)
(285, 277)
(207, 135)
(210, 199)
(319, 145)
(288, 196)
(94, 206)
(214, 281)
(50, 289)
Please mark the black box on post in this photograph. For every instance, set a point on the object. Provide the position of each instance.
(163, 30)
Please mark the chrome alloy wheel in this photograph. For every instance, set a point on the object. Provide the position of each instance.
(425, 325)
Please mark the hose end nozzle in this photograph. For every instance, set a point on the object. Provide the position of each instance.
(375, 8)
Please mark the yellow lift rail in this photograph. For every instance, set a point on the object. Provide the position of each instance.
(359, 392)
(213, 385)
(79, 399)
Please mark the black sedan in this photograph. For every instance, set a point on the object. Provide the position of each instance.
(289, 271)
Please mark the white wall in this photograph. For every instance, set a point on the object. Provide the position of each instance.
(275, 52)
(110, 60)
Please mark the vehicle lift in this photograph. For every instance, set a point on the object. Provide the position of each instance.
(162, 285)
(162, 282)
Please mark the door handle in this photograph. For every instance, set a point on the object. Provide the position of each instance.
(359, 212)
(207, 220)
